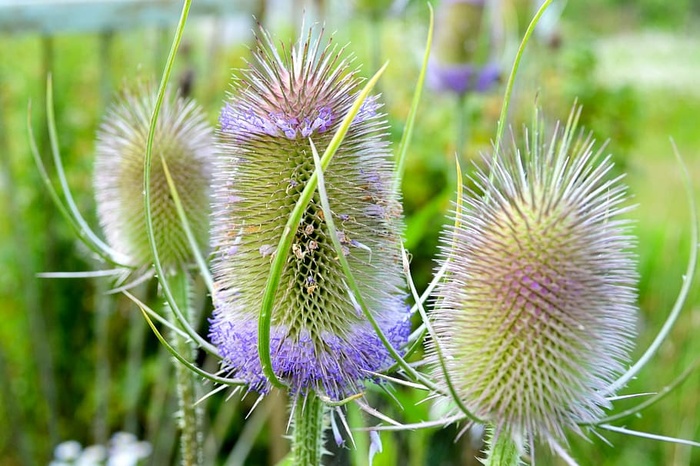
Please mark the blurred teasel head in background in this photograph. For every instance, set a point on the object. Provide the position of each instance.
(373, 8)
(465, 56)
(184, 140)
(537, 315)
(319, 339)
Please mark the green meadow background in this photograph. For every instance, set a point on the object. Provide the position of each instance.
(76, 364)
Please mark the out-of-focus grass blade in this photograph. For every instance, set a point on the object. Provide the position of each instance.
(682, 294)
(411, 118)
(514, 71)
(85, 234)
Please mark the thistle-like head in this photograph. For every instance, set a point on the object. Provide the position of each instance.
(184, 140)
(464, 58)
(536, 316)
(320, 339)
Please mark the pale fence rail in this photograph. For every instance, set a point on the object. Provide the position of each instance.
(70, 16)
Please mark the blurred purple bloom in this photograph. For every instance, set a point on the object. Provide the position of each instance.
(463, 78)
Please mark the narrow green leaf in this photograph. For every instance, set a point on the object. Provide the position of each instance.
(653, 400)
(201, 263)
(452, 393)
(160, 272)
(191, 366)
(351, 282)
(155, 315)
(79, 227)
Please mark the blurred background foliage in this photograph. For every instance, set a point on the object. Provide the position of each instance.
(78, 364)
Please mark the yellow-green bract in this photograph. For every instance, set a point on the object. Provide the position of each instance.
(184, 139)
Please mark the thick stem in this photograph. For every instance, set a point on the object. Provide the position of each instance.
(502, 449)
(100, 429)
(189, 414)
(462, 126)
(307, 440)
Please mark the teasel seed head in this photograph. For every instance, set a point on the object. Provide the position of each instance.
(184, 139)
(536, 316)
(320, 339)
(464, 55)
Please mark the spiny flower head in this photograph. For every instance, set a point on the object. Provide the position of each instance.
(463, 56)
(536, 315)
(320, 339)
(184, 140)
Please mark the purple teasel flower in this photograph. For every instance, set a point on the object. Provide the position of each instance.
(185, 140)
(463, 78)
(463, 52)
(319, 339)
(537, 315)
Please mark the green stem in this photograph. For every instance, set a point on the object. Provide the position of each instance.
(189, 414)
(462, 125)
(103, 312)
(307, 440)
(502, 450)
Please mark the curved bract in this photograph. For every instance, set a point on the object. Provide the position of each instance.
(536, 315)
(319, 338)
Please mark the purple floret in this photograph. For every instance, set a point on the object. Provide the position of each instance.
(237, 121)
(462, 78)
(368, 109)
(332, 364)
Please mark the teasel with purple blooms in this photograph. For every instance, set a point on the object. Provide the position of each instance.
(320, 341)
(536, 315)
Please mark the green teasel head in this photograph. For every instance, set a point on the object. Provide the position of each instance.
(319, 339)
(536, 316)
(183, 139)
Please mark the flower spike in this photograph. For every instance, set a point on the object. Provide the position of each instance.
(319, 340)
(537, 313)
